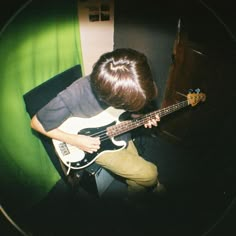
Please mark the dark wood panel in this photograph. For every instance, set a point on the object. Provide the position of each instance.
(213, 71)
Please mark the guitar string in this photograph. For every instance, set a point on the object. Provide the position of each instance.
(103, 135)
(138, 121)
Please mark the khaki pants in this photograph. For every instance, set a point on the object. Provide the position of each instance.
(139, 173)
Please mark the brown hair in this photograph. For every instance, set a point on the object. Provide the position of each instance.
(122, 79)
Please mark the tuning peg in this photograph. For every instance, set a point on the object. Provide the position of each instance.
(197, 90)
(190, 90)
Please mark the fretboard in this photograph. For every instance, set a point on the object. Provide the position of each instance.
(128, 125)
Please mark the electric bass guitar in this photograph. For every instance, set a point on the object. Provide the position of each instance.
(108, 126)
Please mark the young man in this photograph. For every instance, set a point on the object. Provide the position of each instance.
(120, 79)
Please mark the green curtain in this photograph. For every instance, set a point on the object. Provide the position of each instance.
(41, 41)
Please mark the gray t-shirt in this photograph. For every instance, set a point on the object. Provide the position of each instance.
(76, 100)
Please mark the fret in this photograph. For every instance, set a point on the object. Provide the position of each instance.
(128, 125)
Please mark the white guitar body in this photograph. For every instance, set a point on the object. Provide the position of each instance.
(75, 158)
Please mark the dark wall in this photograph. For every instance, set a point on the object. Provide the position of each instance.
(212, 24)
(149, 27)
(8, 9)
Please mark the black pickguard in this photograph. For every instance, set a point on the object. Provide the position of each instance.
(106, 145)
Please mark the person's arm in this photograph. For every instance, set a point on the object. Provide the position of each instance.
(83, 142)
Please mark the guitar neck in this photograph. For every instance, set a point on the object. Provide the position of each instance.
(128, 125)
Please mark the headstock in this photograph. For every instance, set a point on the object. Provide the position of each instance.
(195, 97)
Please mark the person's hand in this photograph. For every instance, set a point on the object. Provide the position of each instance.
(152, 122)
(87, 143)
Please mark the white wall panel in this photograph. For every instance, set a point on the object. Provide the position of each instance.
(96, 31)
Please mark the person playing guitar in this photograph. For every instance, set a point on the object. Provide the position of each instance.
(84, 119)
(122, 80)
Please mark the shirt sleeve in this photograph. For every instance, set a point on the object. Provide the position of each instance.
(76, 100)
(53, 114)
